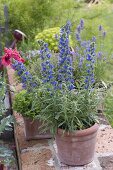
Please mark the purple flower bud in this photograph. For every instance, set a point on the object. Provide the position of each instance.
(100, 28)
(99, 55)
(104, 34)
(78, 38)
(89, 79)
(78, 28)
(94, 39)
(82, 23)
(46, 66)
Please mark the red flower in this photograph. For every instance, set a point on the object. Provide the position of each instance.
(22, 60)
(6, 60)
(17, 56)
(10, 53)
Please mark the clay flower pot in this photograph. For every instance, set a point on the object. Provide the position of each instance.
(77, 148)
(32, 130)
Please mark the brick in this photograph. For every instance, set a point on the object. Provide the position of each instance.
(104, 139)
(36, 160)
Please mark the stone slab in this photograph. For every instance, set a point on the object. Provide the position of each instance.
(36, 160)
(104, 139)
(106, 162)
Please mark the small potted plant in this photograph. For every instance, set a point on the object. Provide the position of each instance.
(26, 106)
(69, 108)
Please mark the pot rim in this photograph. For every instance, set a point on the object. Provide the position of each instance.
(77, 133)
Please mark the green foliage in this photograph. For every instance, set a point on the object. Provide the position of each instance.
(49, 36)
(28, 15)
(24, 104)
(6, 123)
(6, 156)
(108, 106)
(69, 110)
(27, 46)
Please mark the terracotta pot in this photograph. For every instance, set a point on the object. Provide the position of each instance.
(77, 148)
(32, 130)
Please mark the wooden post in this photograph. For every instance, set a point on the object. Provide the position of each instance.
(0, 41)
(6, 25)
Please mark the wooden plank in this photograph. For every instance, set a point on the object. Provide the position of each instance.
(0, 42)
(6, 16)
(17, 148)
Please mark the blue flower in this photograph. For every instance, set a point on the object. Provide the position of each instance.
(80, 64)
(82, 23)
(99, 55)
(100, 28)
(78, 28)
(65, 71)
(47, 69)
(90, 58)
(104, 34)
(25, 76)
(71, 87)
(78, 38)
(94, 39)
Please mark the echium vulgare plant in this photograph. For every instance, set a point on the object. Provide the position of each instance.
(90, 57)
(47, 68)
(96, 59)
(69, 107)
(65, 71)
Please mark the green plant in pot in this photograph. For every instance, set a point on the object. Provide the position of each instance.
(65, 107)
(69, 109)
(26, 106)
(23, 104)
